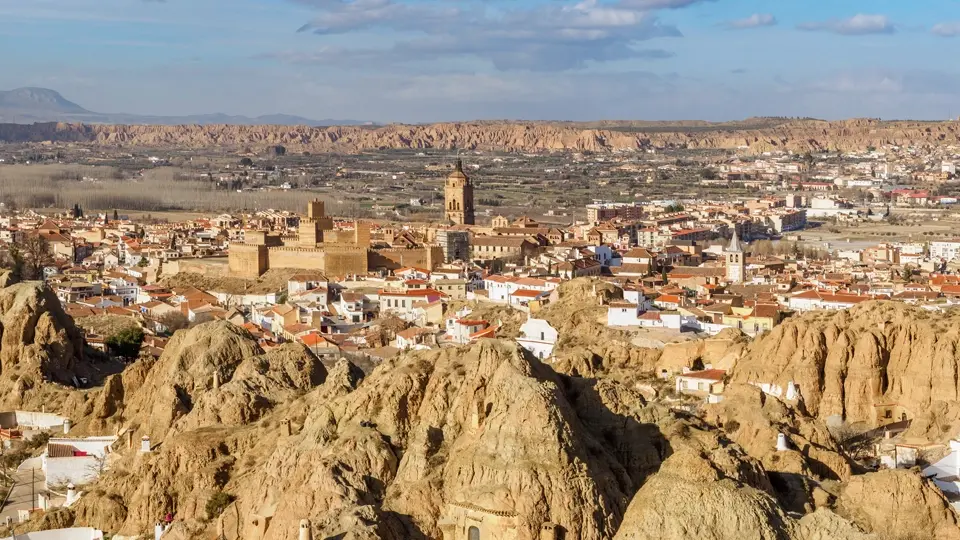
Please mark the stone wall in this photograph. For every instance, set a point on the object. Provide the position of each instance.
(248, 261)
(211, 266)
(292, 257)
(346, 259)
(393, 259)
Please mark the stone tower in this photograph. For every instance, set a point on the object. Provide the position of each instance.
(458, 196)
(312, 227)
(735, 261)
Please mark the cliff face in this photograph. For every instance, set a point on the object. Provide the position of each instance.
(797, 136)
(879, 353)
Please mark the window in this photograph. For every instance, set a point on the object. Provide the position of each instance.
(888, 414)
(473, 533)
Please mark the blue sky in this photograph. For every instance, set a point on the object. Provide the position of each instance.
(434, 60)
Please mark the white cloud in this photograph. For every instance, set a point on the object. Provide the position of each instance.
(857, 25)
(544, 37)
(754, 21)
(947, 29)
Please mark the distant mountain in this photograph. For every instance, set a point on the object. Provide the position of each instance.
(38, 99)
(30, 105)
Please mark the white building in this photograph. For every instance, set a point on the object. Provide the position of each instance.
(461, 329)
(948, 250)
(75, 461)
(946, 472)
(538, 337)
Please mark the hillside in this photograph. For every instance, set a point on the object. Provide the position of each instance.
(847, 363)
(796, 136)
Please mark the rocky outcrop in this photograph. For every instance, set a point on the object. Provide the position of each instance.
(213, 374)
(796, 136)
(848, 362)
(898, 505)
(39, 340)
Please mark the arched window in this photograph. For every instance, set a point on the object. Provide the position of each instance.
(473, 533)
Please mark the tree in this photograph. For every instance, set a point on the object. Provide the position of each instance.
(707, 173)
(173, 321)
(126, 343)
(675, 207)
(116, 217)
(907, 273)
(35, 252)
(246, 162)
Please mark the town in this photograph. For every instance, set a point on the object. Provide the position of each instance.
(761, 242)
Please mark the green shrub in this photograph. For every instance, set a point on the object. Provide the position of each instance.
(217, 503)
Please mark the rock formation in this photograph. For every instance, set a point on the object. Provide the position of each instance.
(38, 340)
(796, 136)
(846, 363)
(486, 430)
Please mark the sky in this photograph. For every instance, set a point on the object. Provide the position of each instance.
(444, 60)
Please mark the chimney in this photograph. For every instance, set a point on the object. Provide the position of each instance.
(71, 494)
(145, 444)
(781, 442)
(67, 424)
(305, 532)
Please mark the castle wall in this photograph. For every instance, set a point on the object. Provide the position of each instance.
(293, 257)
(346, 259)
(248, 261)
(210, 266)
(393, 259)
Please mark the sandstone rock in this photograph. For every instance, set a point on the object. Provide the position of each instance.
(846, 363)
(794, 136)
(39, 340)
(898, 505)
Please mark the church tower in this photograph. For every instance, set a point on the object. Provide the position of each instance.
(458, 197)
(735, 261)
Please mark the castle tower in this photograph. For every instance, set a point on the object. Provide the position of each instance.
(458, 196)
(735, 261)
(311, 228)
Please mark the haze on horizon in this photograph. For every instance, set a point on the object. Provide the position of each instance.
(434, 60)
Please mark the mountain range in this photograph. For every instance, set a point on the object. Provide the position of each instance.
(29, 105)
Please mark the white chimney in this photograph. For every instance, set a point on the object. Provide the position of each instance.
(145, 444)
(305, 532)
(781, 442)
(71, 494)
(158, 531)
(67, 424)
(791, 391)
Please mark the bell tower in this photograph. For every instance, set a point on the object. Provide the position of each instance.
(458, 197)
(735, 262)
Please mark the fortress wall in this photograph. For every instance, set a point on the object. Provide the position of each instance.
(291, 257)
(393, 259)
(213, 266)
(247, 261)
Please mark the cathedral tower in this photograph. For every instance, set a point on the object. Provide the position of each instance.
(458, 196)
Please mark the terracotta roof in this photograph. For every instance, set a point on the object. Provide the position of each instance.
(710, 374)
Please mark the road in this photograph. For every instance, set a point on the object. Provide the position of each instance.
(27, 485)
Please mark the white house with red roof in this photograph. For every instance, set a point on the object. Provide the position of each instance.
(402, 302)
(707, 383)
(462, 329)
